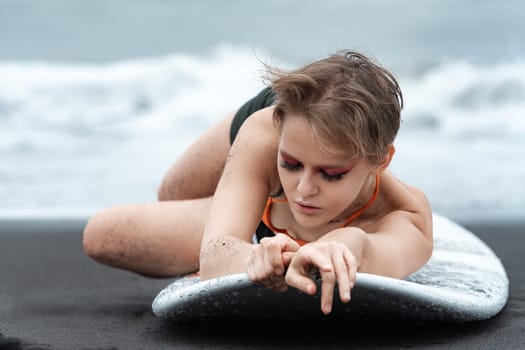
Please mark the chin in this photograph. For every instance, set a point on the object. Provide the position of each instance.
(309, 221)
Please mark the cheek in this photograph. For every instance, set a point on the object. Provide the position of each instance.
(340, 197)
(287, 178)
(343, 193)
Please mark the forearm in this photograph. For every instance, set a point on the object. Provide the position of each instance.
(394, 254)
(354, 238)
(223, 255)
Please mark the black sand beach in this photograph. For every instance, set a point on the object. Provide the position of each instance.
(53, 297)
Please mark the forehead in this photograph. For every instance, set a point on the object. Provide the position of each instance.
(299, 140)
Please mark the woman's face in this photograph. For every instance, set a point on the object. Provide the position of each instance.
(320, 187)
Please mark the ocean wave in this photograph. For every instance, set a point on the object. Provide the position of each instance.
(92, 135)
(166, 93)
(127, 97)
(461, 99)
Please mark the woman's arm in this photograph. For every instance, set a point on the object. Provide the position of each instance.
(399, 246)
(395, 245)
(401, 241)
(240, 197)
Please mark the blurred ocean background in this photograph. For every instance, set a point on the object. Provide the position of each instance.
(98, 97)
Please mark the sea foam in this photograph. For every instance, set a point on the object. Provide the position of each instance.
(76, 137)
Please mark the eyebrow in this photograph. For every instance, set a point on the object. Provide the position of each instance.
(333, 167)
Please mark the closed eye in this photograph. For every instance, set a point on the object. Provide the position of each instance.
(289, 163)
(328, 175)
(333, 176)
(291, 166)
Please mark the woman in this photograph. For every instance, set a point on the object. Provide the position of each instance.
(307, 171)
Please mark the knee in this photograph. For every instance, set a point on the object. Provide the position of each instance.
(176, 186)
(164, 192)
(170, 186)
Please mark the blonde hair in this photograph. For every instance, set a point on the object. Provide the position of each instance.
(353, 104)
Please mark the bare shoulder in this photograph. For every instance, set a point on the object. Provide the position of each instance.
(403, 195)
(260, 123)
(256, 144)
(400, 237)
(402, 201)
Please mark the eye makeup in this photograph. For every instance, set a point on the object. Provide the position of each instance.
(334, 171)
(330, 173)
(288, 159)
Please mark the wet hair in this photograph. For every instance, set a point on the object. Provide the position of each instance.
(352, 102)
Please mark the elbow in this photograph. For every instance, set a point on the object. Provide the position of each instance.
(93, 238)
(396, 263)
(429, 248)
(423, 255)
(103, 238)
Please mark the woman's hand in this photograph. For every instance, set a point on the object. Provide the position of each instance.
(269, 260)
(335, 263)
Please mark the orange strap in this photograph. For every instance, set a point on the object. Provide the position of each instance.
(358, 213)
(268, 222)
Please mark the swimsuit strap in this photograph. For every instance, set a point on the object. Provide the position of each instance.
(358, 213)
(266, 215)
(268, 222)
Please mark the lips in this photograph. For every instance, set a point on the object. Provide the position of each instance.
(306, 208)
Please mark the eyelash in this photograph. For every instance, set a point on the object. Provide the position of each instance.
(295, 167)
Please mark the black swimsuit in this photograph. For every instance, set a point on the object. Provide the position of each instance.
(263, 99)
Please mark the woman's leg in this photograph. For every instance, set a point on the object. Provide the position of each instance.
(164, 238)
(159, 239)
(196, 172)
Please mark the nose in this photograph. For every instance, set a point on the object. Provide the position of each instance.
(307, 186)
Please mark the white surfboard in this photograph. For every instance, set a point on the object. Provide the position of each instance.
(463, 281)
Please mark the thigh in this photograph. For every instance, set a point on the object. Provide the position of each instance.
(158, 239)
(197, 171)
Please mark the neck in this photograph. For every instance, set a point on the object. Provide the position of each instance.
(363, 198)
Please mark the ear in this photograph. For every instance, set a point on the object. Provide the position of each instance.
(387, 159)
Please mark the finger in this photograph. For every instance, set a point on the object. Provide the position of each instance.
(288, 244)
(273, 263)
(300, 281)
(313, 259)
(288, 248)
(342, 273)
(287, 257)
(327, 290)
(326, 270)
(274, 247)
(352, 267)
(298, 274)
(267, 276)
